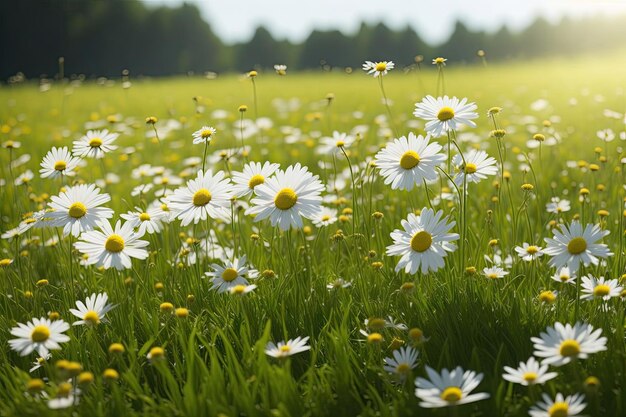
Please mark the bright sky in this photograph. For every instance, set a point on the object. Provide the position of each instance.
(235, 20)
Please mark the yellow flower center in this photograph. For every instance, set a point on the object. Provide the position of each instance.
(206, 133)
(563, 277)
(452, 394)
(229, 274)
(144, 217)
(421, 241)
(381, 66)
(376, 323)
(409, 160)
(340, 144)
(91, 317)
(446, 113)
(40, 334)
(286, 199)
(60, 165)
(77, 210)
(95, 142)
(257, 179)
(529, 377)
(470, 168)
(577, 246)
(601, 290)
(285, 349)
(532, 250)
(201, 197)
(238, 289)
(374, 338)
(65, 388)
(325, 217)
(559, 409)
(403, 368)
(492, 275)
(569, 347)
(114, 243)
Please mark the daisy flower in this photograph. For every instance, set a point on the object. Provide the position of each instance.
(228, 276)
(149, 220)
(561, 344)
(325, 217)
(477, 166)
(335, 144)
(95, 144)
(558, 206)
(424, 241)
(528, 252)
(572, 246)
(594, 288)
(205, 196)
(203, 135)
(565, 276)
(76, 209)
(110, 247)
(66, 396)
(378, 68)
(403, 361)
(242, 289)
(284, 349)
(448, 388)
(41, 335)
(252, 175)
(287, 197)
(444, 114)
(93, 310)
(280, 69)
(57, 162)
(338, 283)
(529, 373)
(494, 272)
(570, 406)
(405, 163)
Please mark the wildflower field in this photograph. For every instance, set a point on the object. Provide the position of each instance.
(441, 240)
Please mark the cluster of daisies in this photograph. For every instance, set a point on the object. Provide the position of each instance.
(287, 198)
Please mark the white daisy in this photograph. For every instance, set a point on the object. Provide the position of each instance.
(110, 247)
(403, 361)
(41, 335)
(405, 163)
(287, 197)
(252, 175)
(444, 114)
(207, 195)
(564, 276)
(228, 276)
(284, 349)
(529, 373)
(572, 245)
(242, 289)
(594, 288)
(203, 135)
(93, 310)
(66, 396)
(57, 162)
(528, 252)
(424, 241)
(339, 283)
(95, 144)
(378, 68)
(76, 209)
(325, 217)
(335, 144)
(558, 206)
(476, 167)
(280, 69)
(494, 272)
(570, 406)
(149, 220)
(562, 343)
(448, 388)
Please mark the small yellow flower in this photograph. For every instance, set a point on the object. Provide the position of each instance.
(110, 374)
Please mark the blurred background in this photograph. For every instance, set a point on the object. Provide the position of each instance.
(172, 37)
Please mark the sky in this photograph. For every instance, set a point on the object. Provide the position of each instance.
(236, 20)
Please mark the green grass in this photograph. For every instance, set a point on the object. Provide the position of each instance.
(215, 362)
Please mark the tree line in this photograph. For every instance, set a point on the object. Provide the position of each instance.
(102, 38)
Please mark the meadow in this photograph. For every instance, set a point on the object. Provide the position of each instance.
(172, 341)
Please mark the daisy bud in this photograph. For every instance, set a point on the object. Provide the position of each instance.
(181, 312)
(527, 187)
(539, 137)
(166, 307)
(191, 298)
(603, 213)
(151, 120)
(35, 385)
(547, 297)
(116, 348)
(243, 108)
(42, 282)
(85, 378)
(110, 374)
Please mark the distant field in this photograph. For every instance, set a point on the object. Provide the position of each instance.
(214, 360)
